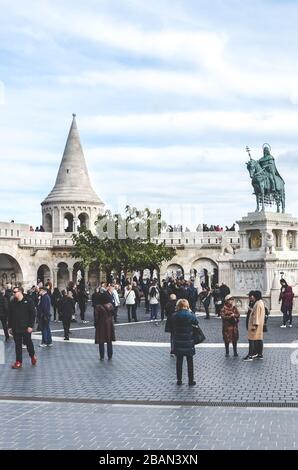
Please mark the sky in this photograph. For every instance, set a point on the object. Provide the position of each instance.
(167, 93)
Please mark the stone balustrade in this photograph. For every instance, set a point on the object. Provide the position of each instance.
(213, 239)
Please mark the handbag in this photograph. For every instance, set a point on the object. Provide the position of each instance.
(198, 335)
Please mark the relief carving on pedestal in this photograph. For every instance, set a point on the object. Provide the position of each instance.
(249, 279)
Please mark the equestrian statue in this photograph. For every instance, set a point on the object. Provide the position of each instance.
(269, 186)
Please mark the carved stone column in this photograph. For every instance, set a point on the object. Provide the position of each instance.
(55, 277)
(284, 240)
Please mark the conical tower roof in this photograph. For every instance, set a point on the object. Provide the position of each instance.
(72, 182)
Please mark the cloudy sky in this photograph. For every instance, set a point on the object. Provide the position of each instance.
(168, 93)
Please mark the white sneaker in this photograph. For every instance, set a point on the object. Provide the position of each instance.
(24, 346)
(290, 326)
(283, 326)
(42, 345)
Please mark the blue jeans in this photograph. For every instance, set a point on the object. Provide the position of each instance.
(46, 334)
(154, 311)
(102, 350)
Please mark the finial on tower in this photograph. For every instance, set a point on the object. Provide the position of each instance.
(73, 115)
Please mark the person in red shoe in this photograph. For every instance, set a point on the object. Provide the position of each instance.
(21, 318)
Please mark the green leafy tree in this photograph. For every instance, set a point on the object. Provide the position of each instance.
(124, 243)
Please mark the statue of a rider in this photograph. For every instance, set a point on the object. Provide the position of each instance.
(267, 162)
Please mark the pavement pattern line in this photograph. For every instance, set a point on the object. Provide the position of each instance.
(151, 403)
(148, 344)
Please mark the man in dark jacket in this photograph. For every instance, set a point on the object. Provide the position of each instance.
(170, 310)
(192, 296)
(21, 318)
(67, 307)
(3, 314)
(44, 316)
(164, 297)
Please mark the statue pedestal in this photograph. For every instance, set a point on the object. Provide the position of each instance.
(268, 251)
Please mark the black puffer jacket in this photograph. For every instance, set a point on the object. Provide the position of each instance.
(182, 330)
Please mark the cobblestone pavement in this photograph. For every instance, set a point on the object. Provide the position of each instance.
(154, 331)
(108, 427)
(234, 404)
(71, 370)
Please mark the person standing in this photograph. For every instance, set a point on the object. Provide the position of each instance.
(44, 316)
(67, 307)
(170, 310)
(255, 328)
(224, 290)
(182, 328)
(8, 292)
(82, 298)
(193, 296)
(137, 300)
(287, 298)
(130, 300)
(95, 297)
(230, 319)
(55, 299)
(164, 298)
(4, 314)
(104, 326)
(218, 301)
(206, 301)
(116, 302)
(153, 301)
(21, 319)
(145, 289)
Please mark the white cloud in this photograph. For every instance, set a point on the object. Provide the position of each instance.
(194, 122)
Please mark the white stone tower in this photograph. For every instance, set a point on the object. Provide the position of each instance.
(72, 202)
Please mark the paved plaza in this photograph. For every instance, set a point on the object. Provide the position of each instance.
(71, 400)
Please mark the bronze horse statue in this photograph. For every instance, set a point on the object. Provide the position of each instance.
(265, 194)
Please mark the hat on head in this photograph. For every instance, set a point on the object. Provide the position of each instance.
(228, 297)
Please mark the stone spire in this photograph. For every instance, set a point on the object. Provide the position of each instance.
(72, 183)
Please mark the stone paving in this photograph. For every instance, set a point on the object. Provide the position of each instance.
(148, 374)
(109, 427)
(154, 331)
(133, 402)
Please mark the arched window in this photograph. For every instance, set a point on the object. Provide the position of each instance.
(68, 222)
(84, 220)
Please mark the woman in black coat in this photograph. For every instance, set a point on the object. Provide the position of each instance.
(182, 328)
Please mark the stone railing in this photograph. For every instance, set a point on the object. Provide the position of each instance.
(12, 230)
(214, 239)
(46, 240)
